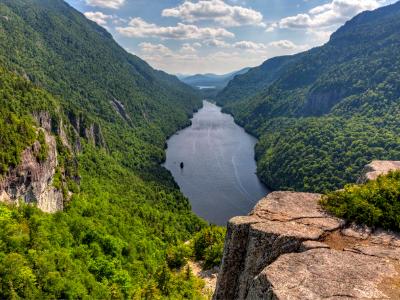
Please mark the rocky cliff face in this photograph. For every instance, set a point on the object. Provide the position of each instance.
(289, 248)
(32, 180)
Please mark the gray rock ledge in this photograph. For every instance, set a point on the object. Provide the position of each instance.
(289, 248)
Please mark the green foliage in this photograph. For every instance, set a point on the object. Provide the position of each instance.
(59, 49)
(323, 114)
(320, 155)
(17, 99)
(111, 240)
(375, 203)
(213, 255)
(208, 245)
(44, 148)
(178, 255)
(16, 134)
(126, 211)
(256, 79)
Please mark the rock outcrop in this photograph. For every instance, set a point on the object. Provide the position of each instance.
(289, 248)
(376, 168)
(87, 129)
(32, 180)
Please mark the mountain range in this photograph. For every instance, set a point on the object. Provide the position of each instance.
(321, 115)
(210, 80)
(83, 135)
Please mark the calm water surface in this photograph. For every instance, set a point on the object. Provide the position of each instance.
(219, 168)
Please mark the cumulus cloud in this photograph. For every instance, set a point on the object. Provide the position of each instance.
(216, 10)
(114, 4)
(187, 49)
(155, 49)
(159, 54)
(216, 43)
(230, 57)
(319, 36)
(286, 44)
(248, 45)
(137, 27)
(251, 46)
(98, 17)
(243, 45)
(271, 27)
(334, 13)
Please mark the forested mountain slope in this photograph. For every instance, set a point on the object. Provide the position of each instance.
(54, 45)
(110, 114)
(326, 112)
(246, 85)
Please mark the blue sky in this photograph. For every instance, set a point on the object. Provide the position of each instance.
(219, 36)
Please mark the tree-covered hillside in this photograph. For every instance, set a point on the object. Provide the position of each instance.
(124, 210)
(325, 113)
(246, 85)
(375, 203)
(59, 49)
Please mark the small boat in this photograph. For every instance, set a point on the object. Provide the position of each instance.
(182, 165)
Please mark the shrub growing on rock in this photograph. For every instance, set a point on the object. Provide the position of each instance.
(209, 244)
(375, 203)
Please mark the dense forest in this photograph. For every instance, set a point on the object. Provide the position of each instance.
(375, 203)
(125, 220)
(321, 115)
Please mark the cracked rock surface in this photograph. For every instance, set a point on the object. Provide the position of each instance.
(289, 248)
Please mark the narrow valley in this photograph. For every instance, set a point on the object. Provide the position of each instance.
(219, 171)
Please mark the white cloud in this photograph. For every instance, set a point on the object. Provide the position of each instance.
(98, 17)
(114, 4)
(215, 10)
(285, 44)
(159, 54)
(155, 49)
(251, 46)
(137, 27)
(271, 27)
(248, 45)
(231, 57)
(187, 49)
(243, 45)
(334, 13)
(319, 36)
(216, 43)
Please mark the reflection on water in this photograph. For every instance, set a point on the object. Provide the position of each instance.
(219, 168)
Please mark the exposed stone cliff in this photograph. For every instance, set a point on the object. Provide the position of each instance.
(289, 248)
(32, 180)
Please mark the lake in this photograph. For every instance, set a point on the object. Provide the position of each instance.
(219, 169)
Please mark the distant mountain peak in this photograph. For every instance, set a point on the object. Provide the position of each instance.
(211, 80)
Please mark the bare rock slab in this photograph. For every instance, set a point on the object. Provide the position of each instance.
(279, 224)
(289, 248)
(326, 274)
